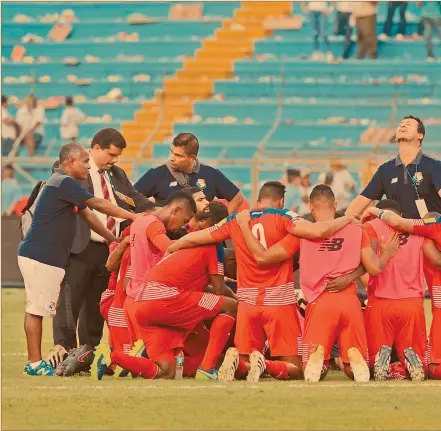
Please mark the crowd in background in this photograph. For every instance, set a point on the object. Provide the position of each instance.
(362, 16)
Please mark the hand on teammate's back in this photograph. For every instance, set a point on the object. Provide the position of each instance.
(369, 214)
(390, 247)
(243, 218)
(339, 283)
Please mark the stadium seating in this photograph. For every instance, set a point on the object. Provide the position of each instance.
(224, 84)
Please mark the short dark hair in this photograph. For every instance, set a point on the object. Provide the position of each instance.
(389, 204)
(217, 211)
(107, 137)
(190, 191)
(69, 101)
(272, 190)
(182, 197)
(293, 173)
(4, 99)
(188, 141)
(71, 150)
(432, 214)
(9, 167)
(420, 127)
(322, 191)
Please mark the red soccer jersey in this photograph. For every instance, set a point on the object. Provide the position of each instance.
(431, 228)
(262, 285)
(188, 269)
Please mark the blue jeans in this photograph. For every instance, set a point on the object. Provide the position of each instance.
(391, 8)
(429, 25)
(319, 21)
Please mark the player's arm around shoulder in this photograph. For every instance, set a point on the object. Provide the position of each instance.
(432, 253)
(191, 240)
(320, 230)
(373, 264)
(261, 255)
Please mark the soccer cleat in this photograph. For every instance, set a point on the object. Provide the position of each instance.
(381, 364)
(138, 349)
(257, 367)
(119, 372)
(229, 365)
(358, 365)
(57, 355)
(80, 359)
(314, 367)
(43, 369)
(202, 374)
(101, 362)
(414, 365)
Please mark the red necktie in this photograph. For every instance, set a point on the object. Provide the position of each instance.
(111, 224)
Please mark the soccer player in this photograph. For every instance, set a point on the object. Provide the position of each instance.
(430, 228)
(267, 299)
(395, 311)
(329, 315)
(171, 304)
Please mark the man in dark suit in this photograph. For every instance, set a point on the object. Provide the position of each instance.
(86, 274)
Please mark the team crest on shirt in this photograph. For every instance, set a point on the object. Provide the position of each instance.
(201, 183)
(418, 178)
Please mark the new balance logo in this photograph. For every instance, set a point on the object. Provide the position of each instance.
(334, 244)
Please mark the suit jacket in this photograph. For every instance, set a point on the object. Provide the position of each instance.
(121, 184)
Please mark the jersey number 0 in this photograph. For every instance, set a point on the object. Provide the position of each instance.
(259, 234)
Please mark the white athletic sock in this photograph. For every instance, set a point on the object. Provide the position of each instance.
(35, 364)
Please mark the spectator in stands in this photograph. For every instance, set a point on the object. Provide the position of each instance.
(306, 192)
(391, 8)
(293, 194)
(10, 128)
(185, 170)
(343, 25)
(319, 11)
(72, 116)
(431, 15)
(365, 13)
(11, 192)
(413, 179)
(31, 118)
(341, 182)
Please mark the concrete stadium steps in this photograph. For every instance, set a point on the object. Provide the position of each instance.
(188, 84)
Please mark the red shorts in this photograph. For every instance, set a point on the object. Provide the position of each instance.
(396, 321)
(197, 341)
(279, 324)
(184, 310)
(159, 341)
(105, 303)
(331, 317)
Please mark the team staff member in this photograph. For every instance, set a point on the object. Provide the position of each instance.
(182, 170)
(86, 274)
(44, 252)
(412, 179)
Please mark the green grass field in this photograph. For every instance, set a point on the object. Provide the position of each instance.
(78, 403)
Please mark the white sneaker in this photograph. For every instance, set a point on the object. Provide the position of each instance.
(383, 36)
(430, 59)
(316, 55)
(329, 56)
(229, 365)
(314, 367)
(358, 365)
(257, 362)
(399, 36)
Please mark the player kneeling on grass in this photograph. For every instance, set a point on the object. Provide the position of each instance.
(172, 302)
(430, 227)
(330, 315)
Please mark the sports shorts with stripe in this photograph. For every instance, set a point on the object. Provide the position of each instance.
(279, 324)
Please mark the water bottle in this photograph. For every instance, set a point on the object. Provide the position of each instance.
(179, 360)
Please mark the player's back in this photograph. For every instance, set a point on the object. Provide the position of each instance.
(269, 284)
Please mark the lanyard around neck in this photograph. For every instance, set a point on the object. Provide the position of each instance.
(412, 179)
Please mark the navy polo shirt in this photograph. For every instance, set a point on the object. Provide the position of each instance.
(50, 238)
(392, 180)
(160, 183)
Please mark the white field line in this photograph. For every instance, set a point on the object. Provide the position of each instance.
(321, 385)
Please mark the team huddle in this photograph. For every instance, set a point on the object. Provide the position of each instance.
(171, 313)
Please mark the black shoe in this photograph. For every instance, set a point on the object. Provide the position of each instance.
(79, 360)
